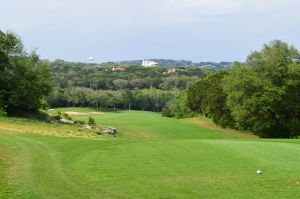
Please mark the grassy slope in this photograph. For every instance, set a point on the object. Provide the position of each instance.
(29, 126)
(4, 159)
(53, 167)
(139, 124)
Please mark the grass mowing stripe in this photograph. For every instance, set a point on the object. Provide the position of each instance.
(76, 168)
(5, 157)
(154, 157)
(148, 125)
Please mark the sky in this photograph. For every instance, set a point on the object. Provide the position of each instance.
(115, 30)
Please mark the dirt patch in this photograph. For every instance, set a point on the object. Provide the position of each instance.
(84, 113)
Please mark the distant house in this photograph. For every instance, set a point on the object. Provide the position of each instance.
(148, 64)
(118, 69)
(171, 71)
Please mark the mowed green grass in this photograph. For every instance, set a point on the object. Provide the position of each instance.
(149, 125)
(153, 163)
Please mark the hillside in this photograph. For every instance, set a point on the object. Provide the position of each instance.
(178, 63)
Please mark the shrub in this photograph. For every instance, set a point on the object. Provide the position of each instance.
(65, 115)
(2, 112)
(68, 117)
(43, 104)
(166, 111)
(91, 121)
(79, 122)
(178, 107)
(56, 117)
(99, 133)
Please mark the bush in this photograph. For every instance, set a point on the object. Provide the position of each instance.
(65, 115)
(80, 122)
(178, 107)
(56, 117)
(2, 112)
(43, 104)
(166, 111)
(68, 117)
(91, 121)
(294, 128)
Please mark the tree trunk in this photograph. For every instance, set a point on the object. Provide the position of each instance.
(203, 112)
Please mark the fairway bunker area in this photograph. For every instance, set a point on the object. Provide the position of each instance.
(84, 113)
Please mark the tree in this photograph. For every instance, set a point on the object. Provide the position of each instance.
(128, 98)
(208, 98)
(260, 96)
(100, 98)
(264, 97)
(139, 83)
(24, 78)
(178, 107)
(120, 83)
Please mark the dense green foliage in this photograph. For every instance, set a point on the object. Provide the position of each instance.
(146, 99)
(103, 77)
(24, 79)
(208, 98)
(261, 96)
(178, 106)
(111, 85)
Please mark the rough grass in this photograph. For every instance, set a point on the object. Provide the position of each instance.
(29, 126)
(157, 162)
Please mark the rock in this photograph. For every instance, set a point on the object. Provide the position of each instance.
(66, 121)
(86, 127)
(109, 130)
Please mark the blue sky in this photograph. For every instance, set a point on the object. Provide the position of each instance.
(112, 30)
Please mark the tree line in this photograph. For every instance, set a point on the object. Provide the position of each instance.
(102, 77)
(151, 99)
(260, 96)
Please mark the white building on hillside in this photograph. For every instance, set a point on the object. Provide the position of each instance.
(148, 64)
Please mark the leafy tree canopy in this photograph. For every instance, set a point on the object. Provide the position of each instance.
(24, 78)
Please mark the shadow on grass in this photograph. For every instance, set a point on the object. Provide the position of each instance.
(111, 110)
(38, 115)
(107, 110)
